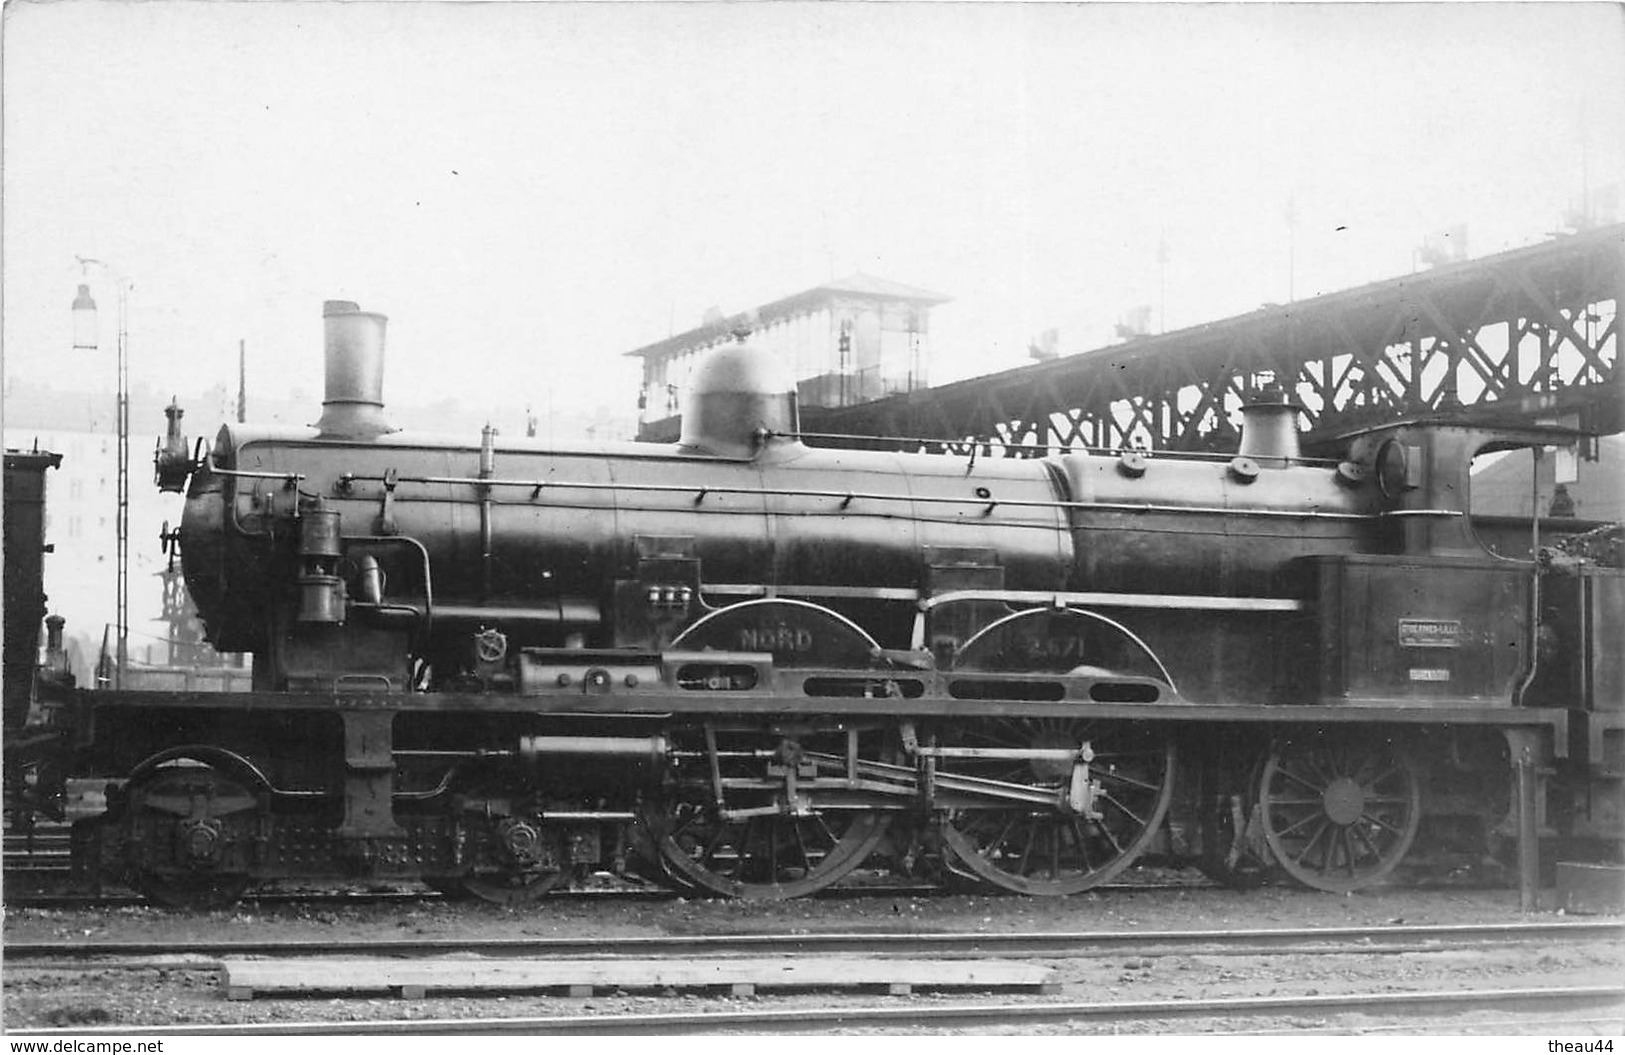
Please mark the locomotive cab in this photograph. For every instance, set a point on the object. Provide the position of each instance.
(1424, 472)
(1443, 608)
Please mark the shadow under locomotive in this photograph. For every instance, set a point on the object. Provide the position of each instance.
(745, 666)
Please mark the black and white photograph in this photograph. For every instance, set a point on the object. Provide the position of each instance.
(783, 518)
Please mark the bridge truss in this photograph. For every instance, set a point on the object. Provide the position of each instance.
(1522, 336)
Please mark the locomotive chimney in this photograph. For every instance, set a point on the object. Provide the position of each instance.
(353, 402)
(1269, 429)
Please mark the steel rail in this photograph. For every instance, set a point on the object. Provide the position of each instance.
(1398, 938)
(118, 898)
(121, 899)
(924, 1016)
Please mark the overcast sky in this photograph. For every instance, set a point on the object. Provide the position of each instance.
(530, 189)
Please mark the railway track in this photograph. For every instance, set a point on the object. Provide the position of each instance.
(43, 850)
(1363, 999)
(37, 874)
(43, 880)
(120, 899)
(32, 895)
(1313, 940)
(1605, 1003)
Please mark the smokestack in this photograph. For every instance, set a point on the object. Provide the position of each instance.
(1269, 429)
(353, 403)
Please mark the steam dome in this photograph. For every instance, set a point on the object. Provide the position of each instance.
(736, 395)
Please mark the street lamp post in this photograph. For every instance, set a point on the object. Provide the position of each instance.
(85, 339)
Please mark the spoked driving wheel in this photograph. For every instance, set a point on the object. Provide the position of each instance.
(1339, 816)
(787, 823)
(1085, 818)
(764, 857)
(645, 859)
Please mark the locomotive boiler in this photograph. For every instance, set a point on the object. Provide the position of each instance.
(745, 665)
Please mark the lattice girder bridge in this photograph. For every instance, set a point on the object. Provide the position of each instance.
(1522, 336)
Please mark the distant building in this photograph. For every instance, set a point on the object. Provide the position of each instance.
(81, 526)
(850, 341)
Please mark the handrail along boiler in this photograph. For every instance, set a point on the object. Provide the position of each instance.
(745, 666)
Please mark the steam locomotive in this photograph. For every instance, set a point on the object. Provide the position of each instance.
(745, 666)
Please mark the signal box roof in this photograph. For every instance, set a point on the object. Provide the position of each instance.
(857, 286)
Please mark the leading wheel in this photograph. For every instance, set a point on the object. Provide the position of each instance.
(1049, 848)
(449, 887)
(513, 888)
(514, 856)
(185, 816)
(191, 893)
(1339, 816)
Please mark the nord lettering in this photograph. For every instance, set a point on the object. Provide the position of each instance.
(781, 638)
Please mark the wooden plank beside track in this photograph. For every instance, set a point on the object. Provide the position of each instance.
(412, 979)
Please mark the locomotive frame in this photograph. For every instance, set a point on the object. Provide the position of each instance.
(492, 682)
